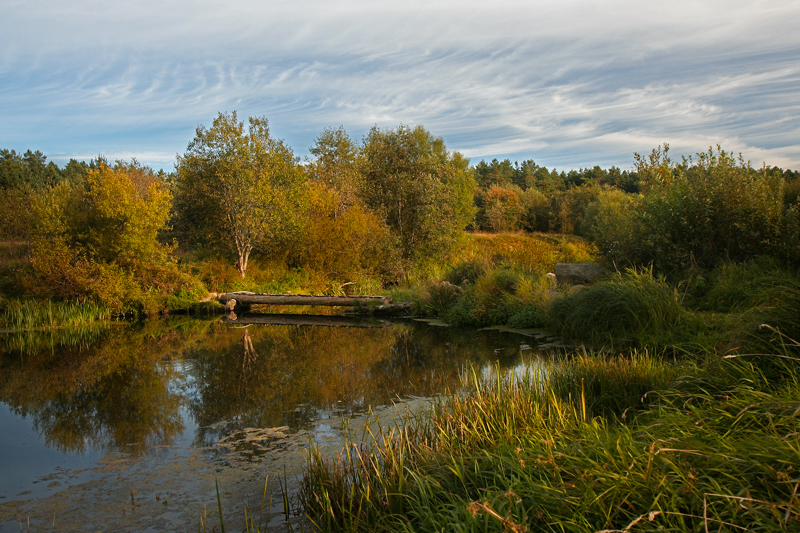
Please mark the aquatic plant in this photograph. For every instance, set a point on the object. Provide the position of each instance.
(34, 314)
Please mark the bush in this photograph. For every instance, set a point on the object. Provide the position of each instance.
(344, 242)
(707, 212)
(100, 240)
(610, 223)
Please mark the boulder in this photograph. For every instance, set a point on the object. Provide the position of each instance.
(577, 273)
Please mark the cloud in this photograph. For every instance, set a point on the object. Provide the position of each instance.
(570, 84)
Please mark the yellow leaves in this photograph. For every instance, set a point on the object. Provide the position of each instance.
(99, 239)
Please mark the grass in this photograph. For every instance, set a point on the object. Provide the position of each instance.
(631, 309)
(47, 314)
(703, 453)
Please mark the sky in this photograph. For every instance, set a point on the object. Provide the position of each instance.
(569, 84)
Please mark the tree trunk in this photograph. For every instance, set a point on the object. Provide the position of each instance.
(241, 264)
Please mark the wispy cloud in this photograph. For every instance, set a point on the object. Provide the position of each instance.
(569, 84)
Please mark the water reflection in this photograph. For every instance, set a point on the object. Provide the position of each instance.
(133, 389)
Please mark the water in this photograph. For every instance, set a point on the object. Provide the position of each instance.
(133, 428)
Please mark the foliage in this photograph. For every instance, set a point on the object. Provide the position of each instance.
(569, 208)
(500, 280)
(422, 192)
(499, 209)
(610, 223)
(238, 190)
(707, 212)
(336, 166)
(343, 240)
(100, 239)
(28, 170)
(612, 445)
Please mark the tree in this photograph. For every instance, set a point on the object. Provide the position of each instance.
(238, 190)
(28, 170)
(423, 192)
(335, 166)
(100, 238)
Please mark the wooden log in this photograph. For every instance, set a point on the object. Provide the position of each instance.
(246, 299)
(306, 320)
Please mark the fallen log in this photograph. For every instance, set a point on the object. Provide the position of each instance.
(247, 299)
(307, 320)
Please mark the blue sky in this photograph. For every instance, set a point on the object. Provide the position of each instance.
(569, 84)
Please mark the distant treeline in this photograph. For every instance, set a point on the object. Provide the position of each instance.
(382, 209)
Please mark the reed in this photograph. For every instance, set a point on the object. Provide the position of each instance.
(46, 314)
(533, 455)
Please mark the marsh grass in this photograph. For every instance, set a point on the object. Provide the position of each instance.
(47, 314)
(535, 455)
(632, 309)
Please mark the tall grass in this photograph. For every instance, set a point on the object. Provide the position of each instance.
(534, 456)
(37, 314)
(631, 309)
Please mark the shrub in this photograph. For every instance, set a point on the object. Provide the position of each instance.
(610, 223)
(344, 242)
(707, 212)
(100, 240)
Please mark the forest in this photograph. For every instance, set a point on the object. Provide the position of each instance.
(361, 216)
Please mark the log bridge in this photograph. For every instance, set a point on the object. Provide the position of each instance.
(246, 299)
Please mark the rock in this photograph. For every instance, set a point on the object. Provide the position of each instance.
(577, 273)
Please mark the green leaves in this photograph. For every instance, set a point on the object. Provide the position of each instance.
(238, 190)
(423, 192)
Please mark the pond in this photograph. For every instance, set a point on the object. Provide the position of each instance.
(134, 427)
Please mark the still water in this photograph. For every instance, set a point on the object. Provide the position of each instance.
(133, 428)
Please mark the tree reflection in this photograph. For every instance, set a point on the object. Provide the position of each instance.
(109, 395)
(123, 390)
(268, 376)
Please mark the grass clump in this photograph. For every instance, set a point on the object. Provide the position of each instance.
(538, 455)
(631, 309)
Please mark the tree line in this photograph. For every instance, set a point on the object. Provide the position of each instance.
(395, 203)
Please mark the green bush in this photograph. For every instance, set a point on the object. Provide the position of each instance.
(610, 223)
(707, 212)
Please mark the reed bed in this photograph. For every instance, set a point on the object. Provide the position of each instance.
(551, 452)
(35, 314)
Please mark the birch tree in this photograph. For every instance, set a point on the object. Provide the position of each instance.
(236, 189)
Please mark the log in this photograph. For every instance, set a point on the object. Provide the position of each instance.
(307, 320)
(247, 299)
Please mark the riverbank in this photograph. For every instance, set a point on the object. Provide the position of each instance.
(683, 418)
(596, 444)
